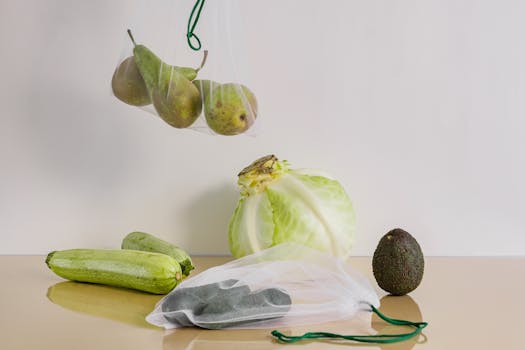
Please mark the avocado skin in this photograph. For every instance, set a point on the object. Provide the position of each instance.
(398, 262)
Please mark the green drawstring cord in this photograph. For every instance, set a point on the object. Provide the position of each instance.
(378, 338)
(192, 23)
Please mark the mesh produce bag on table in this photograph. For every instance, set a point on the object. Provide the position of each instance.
(284, 286)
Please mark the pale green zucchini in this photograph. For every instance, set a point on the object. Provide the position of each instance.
(149, 243)
(146, 271)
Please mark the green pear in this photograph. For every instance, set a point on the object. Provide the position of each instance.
(230, 109)
(150, 64)
(175, 98)
(127, 84)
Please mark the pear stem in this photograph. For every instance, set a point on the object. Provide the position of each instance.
(204, 57)
(132, 38)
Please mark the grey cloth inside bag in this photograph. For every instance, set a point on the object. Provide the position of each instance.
(223, 304)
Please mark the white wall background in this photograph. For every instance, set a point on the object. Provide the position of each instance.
(417, 107)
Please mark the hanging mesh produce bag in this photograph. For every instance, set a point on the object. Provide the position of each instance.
(183, 62)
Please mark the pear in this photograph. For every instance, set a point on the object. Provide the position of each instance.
(175, 98)
(150, 64)
(127, 84)
(230, 109)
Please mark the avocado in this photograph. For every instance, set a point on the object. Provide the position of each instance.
(398, 262)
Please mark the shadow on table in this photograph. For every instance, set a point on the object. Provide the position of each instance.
(400, 307)
(117, 304)
(195, 338)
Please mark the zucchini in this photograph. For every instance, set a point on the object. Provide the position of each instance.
(149, 243)
(145, 271)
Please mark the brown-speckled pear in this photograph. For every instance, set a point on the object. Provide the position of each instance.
(127, 84)
(230, 109)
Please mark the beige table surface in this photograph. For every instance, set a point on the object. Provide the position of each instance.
(470, 303)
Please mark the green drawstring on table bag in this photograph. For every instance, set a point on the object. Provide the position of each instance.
(376, 338)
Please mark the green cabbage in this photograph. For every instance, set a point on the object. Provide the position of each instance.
(279, 204)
